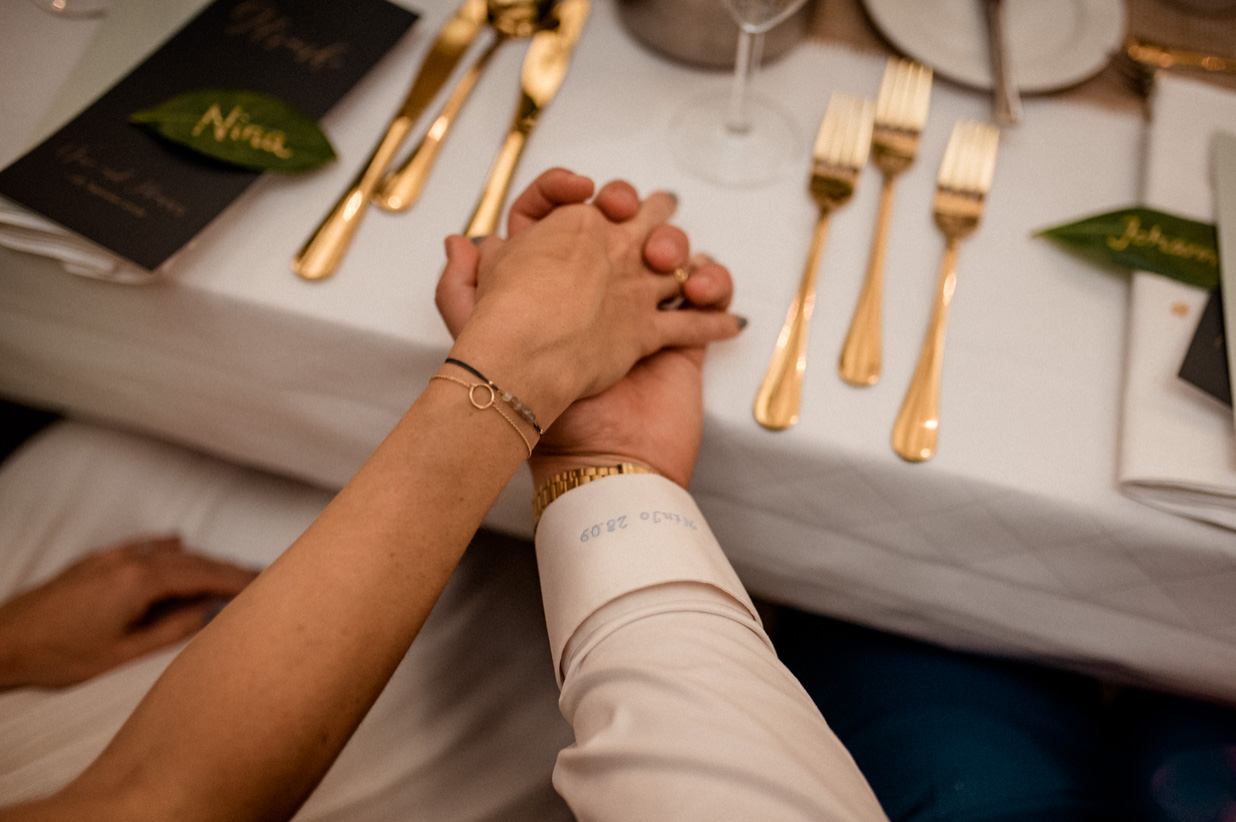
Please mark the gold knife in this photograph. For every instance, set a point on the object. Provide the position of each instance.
(1156, 56)
(545, 67)
(322, 253)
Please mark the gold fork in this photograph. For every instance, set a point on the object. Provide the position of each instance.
(840, 152)
(965, 177)
(900, 114)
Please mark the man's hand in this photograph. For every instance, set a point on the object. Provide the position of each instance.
(654, 416)
(110, 608)
(665, 248)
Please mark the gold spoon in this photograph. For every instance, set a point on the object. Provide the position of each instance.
(510, 19)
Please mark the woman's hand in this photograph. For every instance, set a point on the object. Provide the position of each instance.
(567, 305)
(110, 608)
(654, 415)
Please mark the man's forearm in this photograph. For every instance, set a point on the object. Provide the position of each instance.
(680, 706)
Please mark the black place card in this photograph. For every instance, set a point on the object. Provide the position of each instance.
(144, 199)
(1205, 363)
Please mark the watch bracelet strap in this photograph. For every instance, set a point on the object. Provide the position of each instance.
(559, 484)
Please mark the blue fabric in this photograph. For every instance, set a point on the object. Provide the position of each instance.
(1181, 756)
(950, 737)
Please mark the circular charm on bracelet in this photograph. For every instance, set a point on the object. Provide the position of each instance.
(493, 395)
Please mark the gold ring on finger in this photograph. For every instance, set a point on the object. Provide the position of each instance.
(681, 275)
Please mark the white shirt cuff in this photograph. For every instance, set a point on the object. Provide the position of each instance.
(622, 534)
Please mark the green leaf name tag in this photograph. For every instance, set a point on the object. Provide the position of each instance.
(243, 128)
(1143, 239)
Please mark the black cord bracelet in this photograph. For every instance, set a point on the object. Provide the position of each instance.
(507, 397)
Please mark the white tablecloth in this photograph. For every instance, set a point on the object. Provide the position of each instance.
(1014, 538)
(1178, 450)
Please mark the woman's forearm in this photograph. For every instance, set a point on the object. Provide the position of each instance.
(250, 716)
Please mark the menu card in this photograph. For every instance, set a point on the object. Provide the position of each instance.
(1205, 364)
(144, 199)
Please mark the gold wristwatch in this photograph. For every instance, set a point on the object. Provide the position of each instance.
(559, 484)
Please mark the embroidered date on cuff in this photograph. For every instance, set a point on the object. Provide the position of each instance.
(623, 522)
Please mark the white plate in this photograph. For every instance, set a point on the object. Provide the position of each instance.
(1053, 43)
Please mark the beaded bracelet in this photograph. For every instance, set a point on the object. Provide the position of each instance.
(522, 410)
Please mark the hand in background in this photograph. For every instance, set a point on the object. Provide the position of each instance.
(654, 415)
(110, 608)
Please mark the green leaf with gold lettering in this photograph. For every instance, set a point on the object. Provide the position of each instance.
(1142, 239)
(243, 128)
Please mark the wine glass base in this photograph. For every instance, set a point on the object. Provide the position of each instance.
(704, 146)
(74, 8)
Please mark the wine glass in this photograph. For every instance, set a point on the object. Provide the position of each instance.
(74, 8)
(739, 138)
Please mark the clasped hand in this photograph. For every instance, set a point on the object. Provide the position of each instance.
(566, 307)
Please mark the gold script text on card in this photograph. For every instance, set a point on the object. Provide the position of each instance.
(236, 126)
(263, 26)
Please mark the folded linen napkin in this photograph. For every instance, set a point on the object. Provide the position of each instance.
(1178, 446)
(132, 30)
(23, 230)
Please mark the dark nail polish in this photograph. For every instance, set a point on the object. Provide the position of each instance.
(478, 240)
(213, 609)
(742, 322)
(673, 196)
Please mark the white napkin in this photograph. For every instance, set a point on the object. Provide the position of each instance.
(133, 29)
(1178, 446)
(23, 230)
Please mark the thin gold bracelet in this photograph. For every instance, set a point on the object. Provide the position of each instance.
(506, 396)
(490, 403)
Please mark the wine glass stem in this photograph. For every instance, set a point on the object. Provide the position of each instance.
(750, 46)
